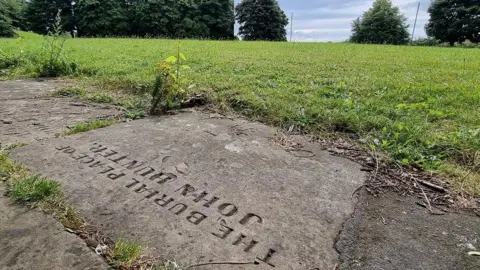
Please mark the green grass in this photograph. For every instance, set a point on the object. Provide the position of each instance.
(87, 126)
(69, 92)
(125, 253)
(418, 104)
(42, 193)
(33, 189)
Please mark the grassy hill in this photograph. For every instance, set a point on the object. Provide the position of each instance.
(421, 105)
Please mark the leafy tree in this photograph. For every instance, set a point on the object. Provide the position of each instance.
(261, 20)
(40, 15)
(381, 24)
(219, 18)
(14, 10)
(155, 17)
(454, 20)
(101, 18)
(6, 28)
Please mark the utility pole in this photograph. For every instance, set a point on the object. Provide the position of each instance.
(415, 24)
(291, 27)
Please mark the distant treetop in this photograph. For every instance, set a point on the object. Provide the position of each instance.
(261, 20)
(381, 24)
(454, 21)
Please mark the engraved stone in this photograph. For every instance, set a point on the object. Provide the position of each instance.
(236, 198)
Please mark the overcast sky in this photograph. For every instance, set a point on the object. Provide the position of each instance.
(330, 20)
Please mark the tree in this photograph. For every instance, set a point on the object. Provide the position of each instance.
(261, 20)
(381, 24)
(40, 15)
(155, 18)
(6, 27)
(14, 10)
(454, 21)
(101, 18)
(219, 18)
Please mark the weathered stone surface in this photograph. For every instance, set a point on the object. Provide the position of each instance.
(36, 119)
(32, 240)
(201, 189)
(391, 232)
(26, 89)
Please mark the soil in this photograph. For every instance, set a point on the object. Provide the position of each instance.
(391, 231)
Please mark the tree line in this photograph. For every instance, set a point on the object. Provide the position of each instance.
(451, 21)
(213, 19)
(100, 18)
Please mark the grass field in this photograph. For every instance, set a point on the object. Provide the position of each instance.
(421, 105)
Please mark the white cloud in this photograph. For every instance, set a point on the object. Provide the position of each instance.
(330, 20)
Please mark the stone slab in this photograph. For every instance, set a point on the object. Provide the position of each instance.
(197, 188)
(391, 232)
(25, 89)
(27, 120)
(33, 240)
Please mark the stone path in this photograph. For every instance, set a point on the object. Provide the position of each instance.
(27, 115)
(202, 188)
(30, 239)
(33, 240)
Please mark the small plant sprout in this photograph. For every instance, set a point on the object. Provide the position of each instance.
(125, 253)
(168, 91)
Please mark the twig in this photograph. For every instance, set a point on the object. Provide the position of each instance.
(424, 195)
(430, 185)
(383, 220)
(356, 190)
(375, 156)
(216, 263)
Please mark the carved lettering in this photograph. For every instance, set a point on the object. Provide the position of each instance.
(202, 196)
(109, 169)
(97, 164)
(114, 176)
(183, 207)
(69, 150)
(247, 218)
(164, 177)
(151, 194)
(145, 173)
(132, 164)
(107, 154)
(268, 257)
(118, 159)
(98, 148)
(224, 229)
(80, 156)
(223, 209)
(196, 217)
(162, 202)
(186, 189)
(141, 189)
(133, 184)
(88, 160)
(249, 246)
(60, 148)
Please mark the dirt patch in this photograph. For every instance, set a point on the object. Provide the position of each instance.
(393, 232)
(27, 89)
